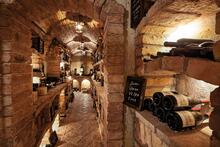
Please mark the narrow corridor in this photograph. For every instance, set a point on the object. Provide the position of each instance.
(80, 128)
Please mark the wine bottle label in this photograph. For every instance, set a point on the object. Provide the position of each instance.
(187, 118)
(182, 100)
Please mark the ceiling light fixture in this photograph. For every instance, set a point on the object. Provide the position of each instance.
(79, 27)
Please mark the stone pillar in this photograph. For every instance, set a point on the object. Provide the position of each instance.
(215, 118)
(113, 74)
(16, 82)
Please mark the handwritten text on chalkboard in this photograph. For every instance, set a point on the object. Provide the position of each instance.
(134, 91)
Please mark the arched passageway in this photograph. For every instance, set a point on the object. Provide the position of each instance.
(80, 128)
(85, 85)
(54, 24)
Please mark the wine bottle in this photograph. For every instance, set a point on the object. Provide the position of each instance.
(180, 102)
(147, 103)
(186, 42)
(161, 114)
(158, 97)
(179, 120)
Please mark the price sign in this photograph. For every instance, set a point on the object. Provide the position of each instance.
(134, 92)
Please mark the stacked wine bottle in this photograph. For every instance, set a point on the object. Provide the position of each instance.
(177, 110)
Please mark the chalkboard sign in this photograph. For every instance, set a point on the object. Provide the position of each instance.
(134, 92)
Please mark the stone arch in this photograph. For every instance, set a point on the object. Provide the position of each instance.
(16, 26)
(86, 84)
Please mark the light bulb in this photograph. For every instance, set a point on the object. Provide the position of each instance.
(79, 27)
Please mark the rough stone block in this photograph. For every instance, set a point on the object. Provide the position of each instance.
(115, 79)
(113, 39)
(160, 81)
(7, 100)
(114, 8)
(115, 143)
(114, 28)
(119, 19)
(152, 66)
(156, 141)
(16, 68)
(115, 107)
(113, 49)
(8, 111)
(115, 126)
(175, 64)
(206, 71)
(151, 38)
(115, 97)
(114, 69)
(115, 87)
(7, 121)
(115, 117)
(115, 135)
(149, 91)
(114, 60)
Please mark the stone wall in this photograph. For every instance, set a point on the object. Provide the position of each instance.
(114, 73)
(16, 77)
(162, 22)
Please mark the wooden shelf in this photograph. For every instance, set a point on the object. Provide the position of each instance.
(48, 98)
(201, 69)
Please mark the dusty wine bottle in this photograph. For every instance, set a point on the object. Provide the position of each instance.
(161, 114)
(158, 97)
(186, 42)
(179, 120)
(180, 102)
(152, 107)
(147, 103)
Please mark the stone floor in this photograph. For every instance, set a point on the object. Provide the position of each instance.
(80, 128)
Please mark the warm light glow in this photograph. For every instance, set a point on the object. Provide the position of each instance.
(36, 80)
(45, 139)
(62, 64)
(61, 15)
(79, 27)
(56, 123)
(85, 84)
(189, 30)
(93, 24)
(69, 78)
(75, 83)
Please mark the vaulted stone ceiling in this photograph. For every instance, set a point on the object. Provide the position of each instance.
(52, 17)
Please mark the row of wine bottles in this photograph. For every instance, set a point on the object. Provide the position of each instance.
(201, 48)
(175, 109)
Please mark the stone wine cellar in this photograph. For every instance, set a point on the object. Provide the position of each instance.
(65, 66)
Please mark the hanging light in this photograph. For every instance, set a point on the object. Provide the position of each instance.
(79, 27)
